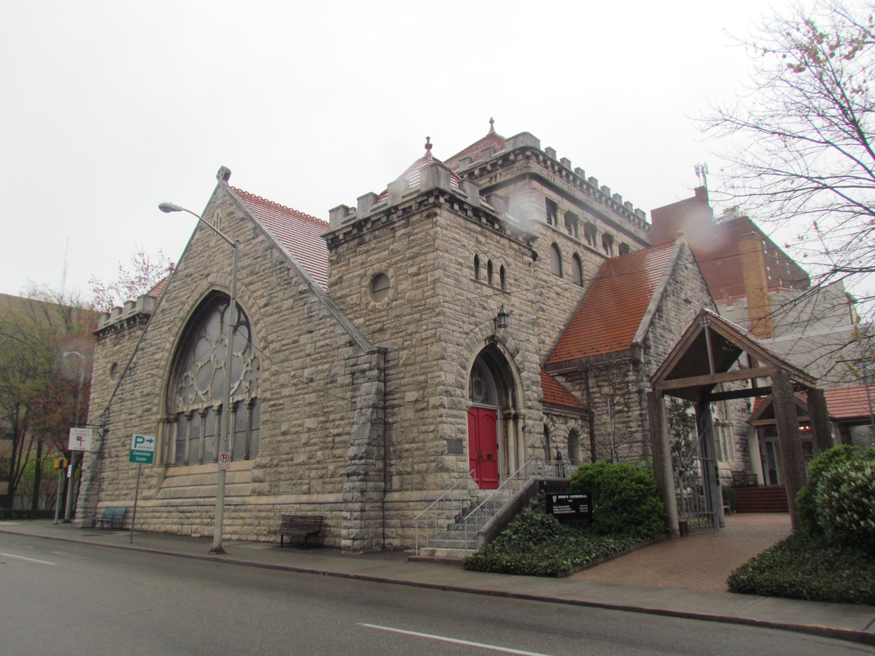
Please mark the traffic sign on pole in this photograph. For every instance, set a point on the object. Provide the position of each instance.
(225, 461)
(142, 449)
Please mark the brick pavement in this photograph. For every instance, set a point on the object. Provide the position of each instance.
(701, 561)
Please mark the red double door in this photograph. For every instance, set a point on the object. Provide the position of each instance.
(483, 446)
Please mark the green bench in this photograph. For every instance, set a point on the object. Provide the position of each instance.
(111, 515)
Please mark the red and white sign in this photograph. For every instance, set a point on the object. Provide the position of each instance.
(80, 439)
(225, 461)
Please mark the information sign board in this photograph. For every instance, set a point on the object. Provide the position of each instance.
(569, 505)
(142, 449)
(80, 439)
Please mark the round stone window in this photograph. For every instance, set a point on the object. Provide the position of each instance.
(379, 287)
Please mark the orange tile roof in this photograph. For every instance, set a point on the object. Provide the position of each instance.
(612, 310)
(847, 402)
(556, 394)
(299, 233)
(158, 290)
(475, 150)
(842, 402)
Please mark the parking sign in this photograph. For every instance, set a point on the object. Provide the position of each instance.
(142, 449)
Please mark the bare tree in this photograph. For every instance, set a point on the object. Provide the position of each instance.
(143, 274)
(800, 139)
(38, 386)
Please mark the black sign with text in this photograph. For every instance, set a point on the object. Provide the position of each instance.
(569, 505)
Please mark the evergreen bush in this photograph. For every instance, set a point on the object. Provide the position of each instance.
(806, 503)
(624, 497)
(845, 500)
(536, 544)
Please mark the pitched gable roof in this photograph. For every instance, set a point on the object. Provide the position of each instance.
(556, 394)
(299, 233)
(848, 402)
(413, 174)
(475, 150)
(609, 316)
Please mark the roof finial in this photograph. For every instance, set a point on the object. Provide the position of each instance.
(491, 125)
(428, 143)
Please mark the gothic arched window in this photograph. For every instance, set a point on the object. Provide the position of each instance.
(196, 393)
(555, 261)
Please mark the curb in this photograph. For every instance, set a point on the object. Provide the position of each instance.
(842, 634)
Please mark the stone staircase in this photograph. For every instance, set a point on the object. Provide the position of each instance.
(764, 499)
(460, 540)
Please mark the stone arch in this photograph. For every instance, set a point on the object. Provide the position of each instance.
(495, 438)
(194, 391)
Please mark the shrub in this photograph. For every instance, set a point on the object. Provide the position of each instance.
(806, 503)
(806, 567)
(845, 500)
(624, 497)
(536, 544)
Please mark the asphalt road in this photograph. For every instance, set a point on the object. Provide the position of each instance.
(65, 598)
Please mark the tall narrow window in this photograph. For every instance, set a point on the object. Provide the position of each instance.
(548, 455)
(590, 233)
(476, 267)
(196, 394)
(574, 447)
(489, 272)
(502, 278)
(552, 213)
(576, 270)
(555, 261)
(608, 245)
(571, 223)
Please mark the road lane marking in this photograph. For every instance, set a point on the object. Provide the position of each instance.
(33, 560)
(452, 640)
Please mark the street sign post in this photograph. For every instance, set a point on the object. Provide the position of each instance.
(142, 453)
(225, 461)
(142, 449)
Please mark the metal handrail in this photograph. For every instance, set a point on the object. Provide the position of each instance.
(441, 498)
(531, 468)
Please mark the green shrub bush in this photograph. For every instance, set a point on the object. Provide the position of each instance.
(806, 503)
(806, 567)
(845, 500)
(536, 544)
(624, 497)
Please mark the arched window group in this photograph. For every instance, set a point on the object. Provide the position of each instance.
(556, 265)
(196, 394)
(491, 273)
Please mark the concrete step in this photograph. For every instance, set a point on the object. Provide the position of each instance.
(766, 499)
(458, 554)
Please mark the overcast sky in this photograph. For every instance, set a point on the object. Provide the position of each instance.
(110, 108)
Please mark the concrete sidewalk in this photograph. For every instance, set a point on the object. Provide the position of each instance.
(844, 621)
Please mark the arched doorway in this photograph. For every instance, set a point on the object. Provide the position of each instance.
(492, 419)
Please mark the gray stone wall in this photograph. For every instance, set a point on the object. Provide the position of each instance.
(319, 385)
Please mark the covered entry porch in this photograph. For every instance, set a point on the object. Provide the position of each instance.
(716, 360)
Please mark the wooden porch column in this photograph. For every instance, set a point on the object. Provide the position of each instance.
(819, 415)
(792, 459)
(662, 465)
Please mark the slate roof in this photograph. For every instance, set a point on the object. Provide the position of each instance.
(475, 150)
(614, 306)
(556, 394)
(299, 233)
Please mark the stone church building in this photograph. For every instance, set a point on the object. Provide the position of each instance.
(371, 367)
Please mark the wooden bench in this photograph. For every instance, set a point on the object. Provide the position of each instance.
(111, 515)
(299, 526)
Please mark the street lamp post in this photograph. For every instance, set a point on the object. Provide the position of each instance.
(225, 439)
(69, 505)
